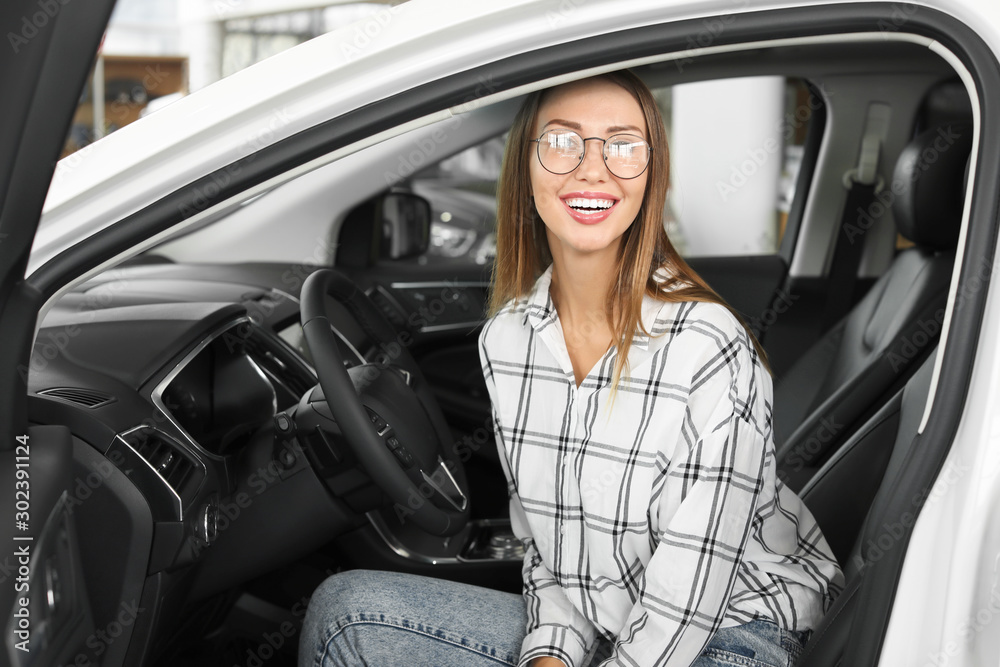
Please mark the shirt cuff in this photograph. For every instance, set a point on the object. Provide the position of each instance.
(556, 641)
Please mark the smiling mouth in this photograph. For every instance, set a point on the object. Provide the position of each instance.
(589, 205)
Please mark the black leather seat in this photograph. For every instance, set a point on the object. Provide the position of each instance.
(870, 353)
(848, 497)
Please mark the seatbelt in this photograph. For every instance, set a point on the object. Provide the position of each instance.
(856, 219)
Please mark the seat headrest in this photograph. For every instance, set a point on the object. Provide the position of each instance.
(929, 186)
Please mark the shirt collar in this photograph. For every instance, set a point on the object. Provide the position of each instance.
(540, 312)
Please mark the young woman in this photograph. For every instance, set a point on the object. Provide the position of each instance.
(633, 415)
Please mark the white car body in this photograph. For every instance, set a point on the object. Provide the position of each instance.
(949, 594)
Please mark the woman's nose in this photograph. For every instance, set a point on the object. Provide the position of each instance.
(593, 168)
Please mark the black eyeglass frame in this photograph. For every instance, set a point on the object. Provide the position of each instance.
(583, 155)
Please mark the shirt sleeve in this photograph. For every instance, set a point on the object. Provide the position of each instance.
(554, 627)
(705, 511)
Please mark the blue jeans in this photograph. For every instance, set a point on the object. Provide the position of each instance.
(385, 619)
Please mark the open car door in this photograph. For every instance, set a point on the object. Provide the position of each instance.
(49, 47)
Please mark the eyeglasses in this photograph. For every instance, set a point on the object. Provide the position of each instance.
(562, 151)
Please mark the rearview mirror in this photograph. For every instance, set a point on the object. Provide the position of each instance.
(405, 222)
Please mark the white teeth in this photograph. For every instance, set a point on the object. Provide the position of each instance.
(590, 204)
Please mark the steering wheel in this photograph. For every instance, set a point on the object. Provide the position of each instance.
(385, 411)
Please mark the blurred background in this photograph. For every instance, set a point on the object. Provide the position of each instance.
(156, 51)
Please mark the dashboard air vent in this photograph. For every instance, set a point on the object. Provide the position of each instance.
(88, 398)
(165, 458)
(168, 458)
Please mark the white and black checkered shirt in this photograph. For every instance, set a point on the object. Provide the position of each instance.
(663, 521)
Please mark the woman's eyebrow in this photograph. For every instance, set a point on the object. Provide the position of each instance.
(623, 128)
(576, 126)
(568, 123)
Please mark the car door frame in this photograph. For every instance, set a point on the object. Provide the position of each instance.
(52, 46)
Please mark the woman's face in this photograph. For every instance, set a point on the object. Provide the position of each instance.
(573, 206)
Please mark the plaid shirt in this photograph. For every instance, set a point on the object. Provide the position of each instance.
(660, 523)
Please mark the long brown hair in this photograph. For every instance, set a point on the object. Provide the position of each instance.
(522, 250)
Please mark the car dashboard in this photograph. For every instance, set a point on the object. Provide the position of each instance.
(170, 379)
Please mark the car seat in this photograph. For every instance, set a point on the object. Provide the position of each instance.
(848, 373)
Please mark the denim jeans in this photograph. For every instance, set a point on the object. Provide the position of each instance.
(387, 619)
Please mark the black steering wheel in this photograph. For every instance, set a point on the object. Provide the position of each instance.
(385, 411)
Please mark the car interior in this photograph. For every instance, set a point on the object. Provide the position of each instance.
(246, 422)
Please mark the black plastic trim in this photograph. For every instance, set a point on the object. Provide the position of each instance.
(51, 48)
(803, 183)
(928, 455)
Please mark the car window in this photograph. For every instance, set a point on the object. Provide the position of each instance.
(462, 192)
(735, 145)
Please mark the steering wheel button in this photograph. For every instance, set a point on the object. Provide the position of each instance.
(282, 423)
(380, 424)
(403, 456)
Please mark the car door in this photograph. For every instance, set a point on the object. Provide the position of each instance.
(49, 48)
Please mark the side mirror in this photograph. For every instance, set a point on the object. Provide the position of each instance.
(405, 223)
